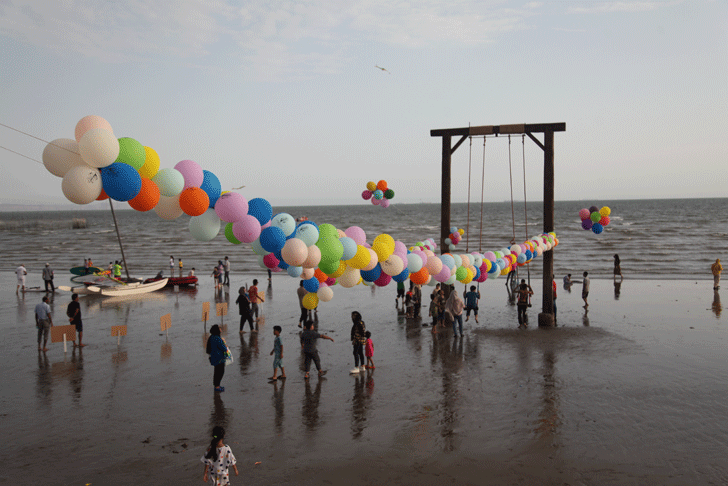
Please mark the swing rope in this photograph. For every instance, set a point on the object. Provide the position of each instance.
(482, 190)
(510, 172)
(467, 224)
(525, 201)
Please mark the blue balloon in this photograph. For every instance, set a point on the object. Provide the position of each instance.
(453, 229)
(211, 185)
(311, 285)
(294, 272)
(350, 247)
(121, 181)
(529, 255)
(371, 275)
(447, 260)
(597, 228)
(282, 265)
(272, 239)
(402, 276)
(261, 210)
(477, 273)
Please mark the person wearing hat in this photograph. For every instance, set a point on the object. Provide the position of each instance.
(48, 277)
(21, 272)
(716, 268)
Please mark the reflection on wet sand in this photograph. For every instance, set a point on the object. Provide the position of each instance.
(309, 409)
(166, 350)
(277, 400)
(219, 414)
(549, 420)
(717, 307)
(617, 288)
(43, 388)
(585, 318)
(248, 350)
(360, 402)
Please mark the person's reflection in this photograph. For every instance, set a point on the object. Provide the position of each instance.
(585, 318)
(76, 379)
(717, 307)
(219, 414)
(278, 404)
(43, 388)
(617, 288)
(358, 407)
(246, 353)
(511, 296)
(309, 411)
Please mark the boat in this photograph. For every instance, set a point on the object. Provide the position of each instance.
(175, 281)
(85, 271)
(81, 290)
(129, 289)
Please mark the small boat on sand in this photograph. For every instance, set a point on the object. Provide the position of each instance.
(178, 281)
(135, 288)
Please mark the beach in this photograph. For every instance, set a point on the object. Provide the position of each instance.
(632, 391)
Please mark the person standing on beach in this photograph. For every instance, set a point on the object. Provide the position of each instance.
(244, 310)
(86, 266)
(218, 351)
(308, 345)
(171, 266)
(226, 268)
(73, 311)
(617, 266)
(216, 277)
(277, 354)
(417, 300)
(400, 293)
(181, 266)
(358, 340)
(471, 303)
(254, 298)
(524, 292)
(369, 351)
(218, 459)
(43, 322)
(301, 292)
(117, 270)
(455, 306)
(21, 272)
(716, 268)
(48, 277)
(585, 289)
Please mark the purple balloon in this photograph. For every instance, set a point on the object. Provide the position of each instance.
(192, 173)
(586, 224)
(231, 207)
(247, 229)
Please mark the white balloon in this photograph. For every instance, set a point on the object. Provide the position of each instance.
(325, 294)
(99, 147)
(82, 185)
(414, 262)
(392, 266)
(168, 208)
(349, 278)
(61, 155)
(206, 226)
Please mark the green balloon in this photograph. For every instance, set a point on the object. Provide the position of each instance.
(328, 266)
(331, 248)
(460, 273)
(131, 152)
(389, 194)
(327, 230)
(229, 234)
(595, 217)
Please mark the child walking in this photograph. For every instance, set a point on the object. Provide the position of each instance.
(369, 351)
(218, 459)
(277, 354)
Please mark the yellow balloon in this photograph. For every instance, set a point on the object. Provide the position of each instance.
(383, 246)
(361, 259)
(371, 186)
(310, 300)
(488, 264)
(469, 277)
(605, 211)
(505, 271)
(461, 231)
(339, 271)
(151, 163)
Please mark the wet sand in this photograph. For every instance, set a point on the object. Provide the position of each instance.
(634, 391)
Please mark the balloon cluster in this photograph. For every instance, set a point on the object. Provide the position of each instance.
(97, 165)
(595, 219)
(378, 193)
(454, 238)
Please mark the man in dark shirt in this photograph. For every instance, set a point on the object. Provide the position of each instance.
(74, 317)
(308, 345)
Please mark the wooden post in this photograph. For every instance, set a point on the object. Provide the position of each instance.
(118, 235)
(445, 192)
(546, 317)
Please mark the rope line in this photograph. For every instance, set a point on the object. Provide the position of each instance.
(525, 200)
(18, 153)
(482, 190)
(510, 173)
(467, 224)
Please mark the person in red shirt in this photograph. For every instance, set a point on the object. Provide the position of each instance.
(253, 298)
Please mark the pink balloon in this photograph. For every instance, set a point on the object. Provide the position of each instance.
(192, 173)
(489, 255)
(271, 261)
(88, 122)
(444, 274)
(400, 249)
(422, 255)
(366, 195)
(247, 229)
(383, 280)
(330, 281)
(384, 202)
(375, 201)
(357, 234)
(584, 214)
(231, 207)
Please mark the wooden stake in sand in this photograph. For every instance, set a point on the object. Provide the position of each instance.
(63, 334)
(165, 322)
(205, 312)
(118, 331)
(221, 308)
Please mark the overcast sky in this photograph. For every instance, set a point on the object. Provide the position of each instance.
(284, 97)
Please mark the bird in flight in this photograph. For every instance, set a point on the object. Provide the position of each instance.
(379, 67)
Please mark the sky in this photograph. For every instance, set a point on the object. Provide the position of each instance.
(285, 98)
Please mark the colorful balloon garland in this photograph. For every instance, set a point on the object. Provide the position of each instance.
(97, 166)
(378, 193)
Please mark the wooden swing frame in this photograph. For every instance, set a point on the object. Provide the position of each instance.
(546, 317)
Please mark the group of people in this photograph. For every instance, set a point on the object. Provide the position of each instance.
(248, 299)
(221, 273)
(451, 308)
(44, 321)
(21, 272)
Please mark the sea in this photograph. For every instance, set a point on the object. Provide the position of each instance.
(654, 238)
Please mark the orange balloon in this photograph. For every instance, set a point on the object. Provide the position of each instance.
(320, 276)
(147, 198)
(194, 201)
(421, 277)
(103, 196)
(382, 185)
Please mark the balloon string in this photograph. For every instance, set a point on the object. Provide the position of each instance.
(18, 153)
(37, 138)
